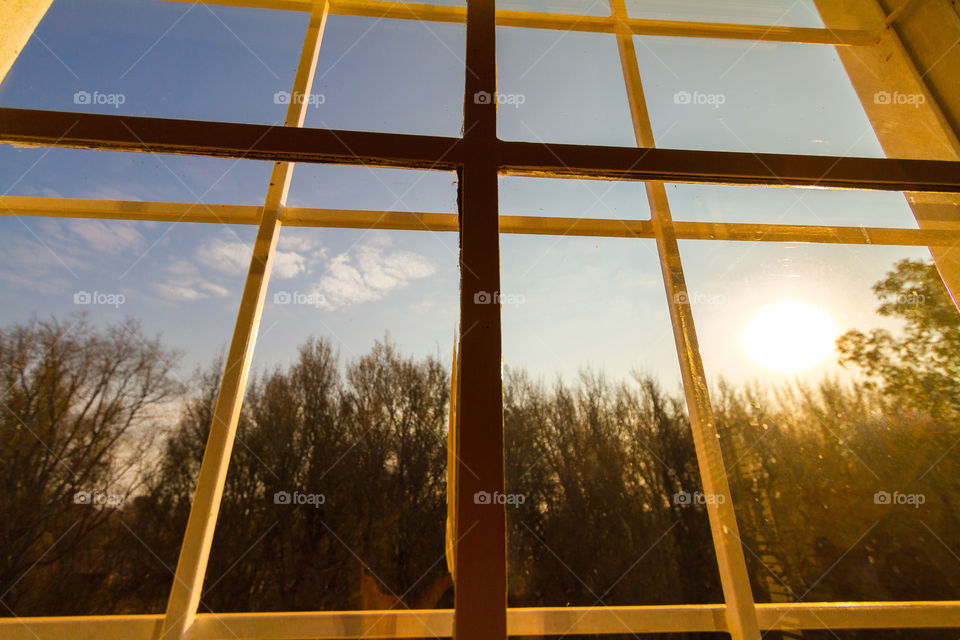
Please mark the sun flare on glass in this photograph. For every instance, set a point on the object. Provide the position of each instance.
(789, 336)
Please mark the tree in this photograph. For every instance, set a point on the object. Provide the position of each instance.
(921, 367)
(79, 406)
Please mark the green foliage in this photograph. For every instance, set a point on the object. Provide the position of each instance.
(920, 367)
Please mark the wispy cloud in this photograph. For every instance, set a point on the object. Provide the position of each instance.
(233, 256)
(368, 272)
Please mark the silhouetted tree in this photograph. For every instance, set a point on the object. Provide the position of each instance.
(80, 405)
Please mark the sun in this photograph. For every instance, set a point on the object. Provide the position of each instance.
(789, 336)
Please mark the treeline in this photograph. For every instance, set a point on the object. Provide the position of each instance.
(336, 495)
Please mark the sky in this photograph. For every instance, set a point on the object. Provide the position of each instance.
(573, 303)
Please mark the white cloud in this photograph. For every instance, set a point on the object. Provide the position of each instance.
(233, 256)
(369, 273)
(288, 264)
(177, 292)
(290, 242)
(226, 256)
(186, 284)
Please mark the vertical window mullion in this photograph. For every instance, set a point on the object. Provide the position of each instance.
(481, 561)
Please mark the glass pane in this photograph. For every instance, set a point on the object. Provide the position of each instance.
(835, 375)
(101, 328)
(565, 198)
(597, 437)
(115, 175)
(164, 59)
(800, 205)
(568, 7)
(398, 76)
(740, 95)
(781, 13)
(561, 86)
(336, 494)
(373, 188)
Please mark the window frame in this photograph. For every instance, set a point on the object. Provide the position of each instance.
(480, 157)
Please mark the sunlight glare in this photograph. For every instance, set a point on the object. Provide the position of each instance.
(789, 336)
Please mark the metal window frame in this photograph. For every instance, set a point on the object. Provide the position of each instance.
(479, 157)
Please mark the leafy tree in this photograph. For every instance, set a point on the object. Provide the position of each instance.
(921, 367)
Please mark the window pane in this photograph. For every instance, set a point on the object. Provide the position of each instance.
(834, 370)
(164, 59)
(336, 493)
(101, 328)
(569, 7)
(763, 97)
(597, 436)
(116, 175)
(373, 188)
(397, 76)
(800, 205)
(580, 199)
(781, 13)
(561, 86)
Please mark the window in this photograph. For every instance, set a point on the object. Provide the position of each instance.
(701, 379)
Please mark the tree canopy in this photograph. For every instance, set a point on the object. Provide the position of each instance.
(336, 496)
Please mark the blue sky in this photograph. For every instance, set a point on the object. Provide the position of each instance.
(586, 302)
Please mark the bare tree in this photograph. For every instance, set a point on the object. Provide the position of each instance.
(79, 407)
